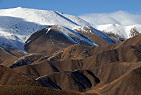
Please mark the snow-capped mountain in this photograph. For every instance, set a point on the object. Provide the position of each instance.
(123, 31)
(17, 25)
(119, 23)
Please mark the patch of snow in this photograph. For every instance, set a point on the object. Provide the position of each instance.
(23, 58)
(51, 58)
(123, 31)
(83, 29)
(48, 30)
(28, 41)
(40, 77)
(67, 36)
(19, 59)
(30, 54)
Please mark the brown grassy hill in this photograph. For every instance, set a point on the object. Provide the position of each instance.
(107, 66)
(105, 74)
(136, 40)
(70, 80)
(8, 57)
(37, 70)
(87, 79)
(10, 77)
(128, 84)
(122, 54)
(112, 69)
(34, 90)
(46, 43)
(75, 52)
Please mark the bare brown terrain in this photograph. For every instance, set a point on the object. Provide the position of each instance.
(54, 65)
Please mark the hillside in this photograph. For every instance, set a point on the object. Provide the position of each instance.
(51, 53)
(73, 70)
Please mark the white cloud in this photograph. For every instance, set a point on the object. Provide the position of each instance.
(119, 17)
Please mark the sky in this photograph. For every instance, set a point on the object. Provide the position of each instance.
(77, 7)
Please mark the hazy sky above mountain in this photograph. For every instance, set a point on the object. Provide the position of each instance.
(77, 7)
(119, 17)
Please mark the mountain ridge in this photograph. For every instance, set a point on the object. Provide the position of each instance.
(20, 23)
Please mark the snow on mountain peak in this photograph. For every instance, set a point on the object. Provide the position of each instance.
(22, 22)
(44, 17)
(119, 22)
(122, 31)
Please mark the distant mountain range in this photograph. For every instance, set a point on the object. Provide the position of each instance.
(48, 52)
